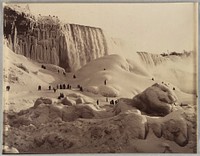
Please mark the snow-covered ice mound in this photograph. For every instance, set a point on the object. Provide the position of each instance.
(157, 99)
(52, 127)
(112, 75)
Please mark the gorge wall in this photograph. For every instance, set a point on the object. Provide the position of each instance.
(47, 40)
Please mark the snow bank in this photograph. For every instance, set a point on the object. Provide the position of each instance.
(58, 128)
(173, 127)
(157, 99)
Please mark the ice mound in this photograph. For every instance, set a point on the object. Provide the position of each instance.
(157, 99)
(49, 128)
(172, 127)
(42, 100)
(80, 98)
(67, 101)
(106, 75)
(104, 90)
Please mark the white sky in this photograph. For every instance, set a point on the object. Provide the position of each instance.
(155, 27)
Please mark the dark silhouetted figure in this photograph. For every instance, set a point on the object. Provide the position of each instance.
(116, 102)
(152, 79)
(162, 82)
(97, 102)
(174, 88)
(39, 87)
(61, 96)
(104, 69)
(106, 99)
(64, 73)
(42, 66)
(68, 86)
(81, 88)
(54, 89)
(58, 71)
(112, 102)
(7, 88)
(78, 86)
(64, 86)
(57, 87)
(74, 76)
(60, 86)
(105, 82)
(49, 87)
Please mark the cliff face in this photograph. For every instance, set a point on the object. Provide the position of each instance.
(47, 40)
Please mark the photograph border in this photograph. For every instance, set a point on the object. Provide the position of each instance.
(96, 1)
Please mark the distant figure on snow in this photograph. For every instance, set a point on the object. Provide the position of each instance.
(54, 89)
(105, 82)
(97, 102)
(7, 88)
(61, 96)
(78, 86)
(58, 71)
(64, 86)
(39, 87)
(116, 102)
(104, 69)
(60, 86)
(174, 88)
(68, 87)
(42, 66)
(112, 102)
(74, 76)
(81, 88)
(49, 87)
(152, 79)
(106, 99)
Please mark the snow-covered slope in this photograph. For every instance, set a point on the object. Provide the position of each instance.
(40, 122)
(123, 77)
(119, 73)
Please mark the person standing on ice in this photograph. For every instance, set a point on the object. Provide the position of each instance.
(97, 102)
(39, 87)
(7, 88)
(105, 82)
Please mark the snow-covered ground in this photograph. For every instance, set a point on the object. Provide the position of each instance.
(38, 122)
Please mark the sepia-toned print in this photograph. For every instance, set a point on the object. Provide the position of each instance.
(100, 78)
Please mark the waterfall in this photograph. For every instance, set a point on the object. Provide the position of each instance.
(82, 45)
(151, 60)
(48, 40)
